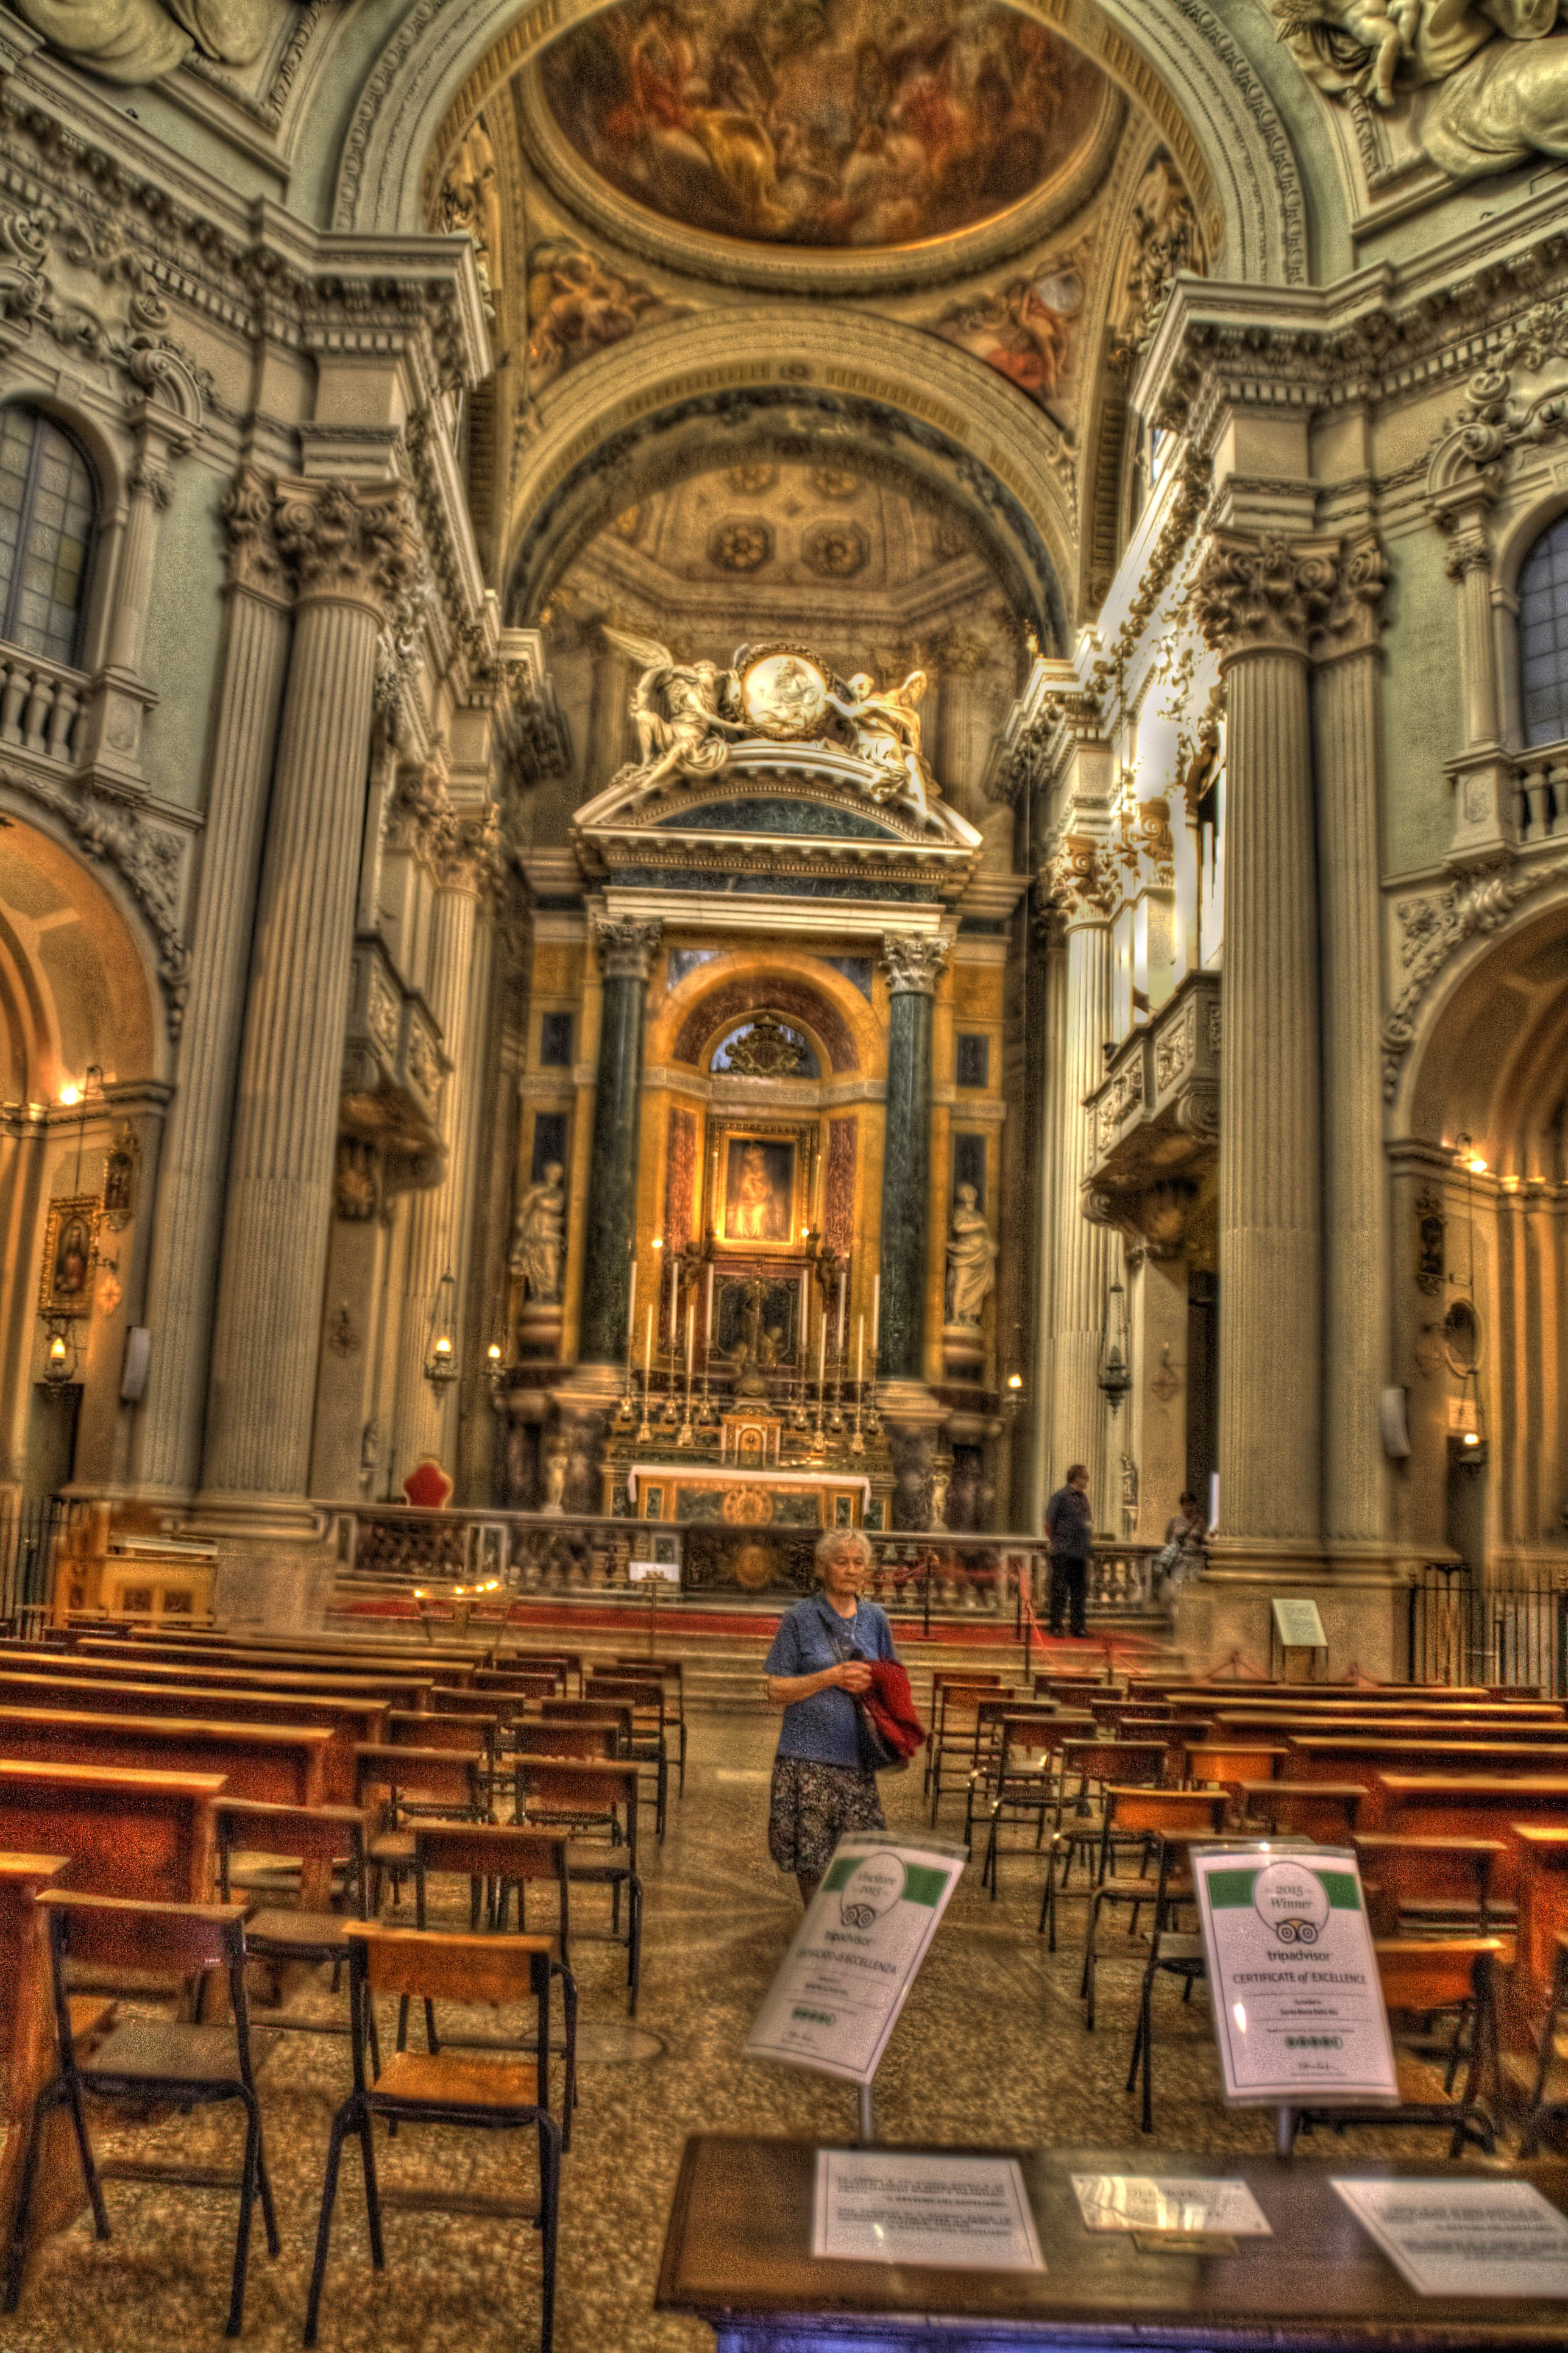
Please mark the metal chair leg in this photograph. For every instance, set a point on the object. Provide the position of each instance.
(341, 2123)
(242, 2234)
(550, 2216)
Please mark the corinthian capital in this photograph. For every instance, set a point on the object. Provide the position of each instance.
(626, 948)
(474, 859)
(1077, 882)
(1355, 619)
(913, 963)
(360, 546)
(249, 514)
(1257, 597)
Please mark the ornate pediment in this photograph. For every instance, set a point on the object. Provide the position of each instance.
(777, 776)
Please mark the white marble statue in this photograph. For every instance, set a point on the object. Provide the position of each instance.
(1487, 87)
(137, 40)
(685, 714)
(886, 725)
(970, 1258)
(536, 1241)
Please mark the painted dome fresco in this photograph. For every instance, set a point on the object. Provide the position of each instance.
(823, 123)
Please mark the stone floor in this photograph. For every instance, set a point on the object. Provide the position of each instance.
(991, 2049)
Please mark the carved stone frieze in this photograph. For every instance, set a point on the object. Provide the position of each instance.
(99, 301)
(913, 963)
(626, 948)
(1434, 927)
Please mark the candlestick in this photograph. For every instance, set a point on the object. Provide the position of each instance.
(691, 1330)
(860, 1355)
(876, 1316)
(632, 1312)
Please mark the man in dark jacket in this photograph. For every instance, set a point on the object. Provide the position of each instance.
(1070, 1525)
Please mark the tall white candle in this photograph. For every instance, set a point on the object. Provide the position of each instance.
(822, 1349)
(708, 1335)
(876, 1314)
(841, 1336)
(674, 1277)
(647, 1352)
(690, 1330)
(860, 1353)
(632, 1314)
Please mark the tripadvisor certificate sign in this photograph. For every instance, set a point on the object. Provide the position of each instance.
(1298, 2001)
(842, 1983)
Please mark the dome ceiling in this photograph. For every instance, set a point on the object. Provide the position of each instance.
(825, 124)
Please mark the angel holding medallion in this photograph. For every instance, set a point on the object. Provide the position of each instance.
(684, 713)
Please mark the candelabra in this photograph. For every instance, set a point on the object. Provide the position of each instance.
(645, 1429)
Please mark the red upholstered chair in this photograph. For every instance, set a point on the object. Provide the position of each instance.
(427, 1486)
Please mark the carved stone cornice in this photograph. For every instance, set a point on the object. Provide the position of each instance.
(913, 961)
(626, 947)
(349, 546)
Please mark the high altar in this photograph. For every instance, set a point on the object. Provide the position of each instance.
(763, 1152)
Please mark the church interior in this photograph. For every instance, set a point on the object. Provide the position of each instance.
(784, 967)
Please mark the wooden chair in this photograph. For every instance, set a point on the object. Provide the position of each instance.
(1173, 1952)
(1149, 1815)
(566, 1740)
(1325, 1811)
(1000, 1722)
(488, 2095)
(672, 1673)
(321, 1841)
(592, 1711)
(1422, 1976)
(989, 1685)
(956, 1730)
(583, 1797)
(644, 1695)
(1100, 1764)
(1024, 1790)
(150, 2062)
(496, 1857)
(410, 1783)
(1552, 2049)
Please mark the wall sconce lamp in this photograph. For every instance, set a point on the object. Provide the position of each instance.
(60, 1353)
(1115, 1373)
(441, 1355)
(1013, 1394)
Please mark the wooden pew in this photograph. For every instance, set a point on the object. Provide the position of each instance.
(27, 2050)
(1228, 1762)
(1436, 1805)
(351, 1722)
(1328, 1812)
(195, 1650)
(397, 1690)
(281, 1767)
(140, 1834)
(1319, 1756)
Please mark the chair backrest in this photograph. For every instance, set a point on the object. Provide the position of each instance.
(305, 1833)
(442, 1965)
(1159, 1810)
(445, 1776)
(404, 1729)
(1125, 1761)
(523, 1682)
(178, 1940)
(1425, 1973)
(598, 1712)
(489, 1851)
(553, 1791)
(574, 1740)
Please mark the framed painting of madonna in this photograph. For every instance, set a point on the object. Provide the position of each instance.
(759, 1180)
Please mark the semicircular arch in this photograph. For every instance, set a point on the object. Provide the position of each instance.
(76, 983)
(1190, 71)
(802, 987)
(1484, 1059)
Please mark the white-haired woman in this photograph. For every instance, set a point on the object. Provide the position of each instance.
(818, 1662)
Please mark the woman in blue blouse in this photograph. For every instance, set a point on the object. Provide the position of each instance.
(816, 1665)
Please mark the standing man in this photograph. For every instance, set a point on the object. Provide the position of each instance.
(1070, 1525)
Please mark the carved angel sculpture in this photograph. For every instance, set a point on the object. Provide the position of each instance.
(137, 40)
(685, 714)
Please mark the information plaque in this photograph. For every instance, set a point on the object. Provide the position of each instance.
(1297, 2001)
(1466, 2238)
(840, 1987)
(964, 2213)
(1181, 2204)
(1299, 1625)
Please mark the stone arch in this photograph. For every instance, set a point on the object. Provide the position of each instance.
(954, 419)
(737, 981)
(76, 981)
(1483, 1063)
(1176, 58)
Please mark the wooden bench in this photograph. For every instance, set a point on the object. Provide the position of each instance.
(281, 1766)
(1436, 1805)
(197, 1651)
(1314, 1756)
(1325, 1811)
(27, 2047)
(397, 1690)
(1230, 1762)
(350, 1722)
(144, 1835)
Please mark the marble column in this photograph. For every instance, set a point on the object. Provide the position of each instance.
(189, 1208)
(1258, 601)
(913, 964)
(626, 952)
(354, 553)
(425, 1417)
(1356, 1334)
(1083, 894)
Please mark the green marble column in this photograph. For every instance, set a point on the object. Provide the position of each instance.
(913, 966)
(625, 950)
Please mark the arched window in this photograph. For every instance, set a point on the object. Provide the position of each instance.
(46, 534)
(1543, 636)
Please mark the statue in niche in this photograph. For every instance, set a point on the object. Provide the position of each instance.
(685, 714)
(970, 1258)
(136, 40)
(537, 1239)
(1491, 88)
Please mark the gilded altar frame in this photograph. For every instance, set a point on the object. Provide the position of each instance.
(729, 1135)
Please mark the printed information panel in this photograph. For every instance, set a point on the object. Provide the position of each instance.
(1299, 1626)
(1466, 2238)
(966, 2213)
(1174, 2202)
(1297, 2002)
(842, 1983)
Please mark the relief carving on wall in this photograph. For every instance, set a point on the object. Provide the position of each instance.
(134, 41)
(1484, 86)
(576, 307)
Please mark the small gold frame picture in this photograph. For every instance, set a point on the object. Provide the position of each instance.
(760, 1180)
(70, 1257)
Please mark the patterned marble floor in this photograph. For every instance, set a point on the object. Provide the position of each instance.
(991, 2049)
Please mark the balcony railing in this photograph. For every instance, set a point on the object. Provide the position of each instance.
(1541, 783)
(40, 704)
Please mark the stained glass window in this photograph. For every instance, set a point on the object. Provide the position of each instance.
(1543, 636)
(46, 534)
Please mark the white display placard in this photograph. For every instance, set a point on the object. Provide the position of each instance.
(1466, 2238)
(841, 1985)
(1299, 1626)
(654, 1572)
(1297, 2001)
(1178, 2202)
(966, 2213)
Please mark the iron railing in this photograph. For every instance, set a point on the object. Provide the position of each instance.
(28, 1527)
(1469, 1630)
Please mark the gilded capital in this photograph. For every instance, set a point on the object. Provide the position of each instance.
(358, 546)
(627, 948)
(913, 963)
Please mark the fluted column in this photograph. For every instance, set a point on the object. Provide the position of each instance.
(1356, 1335)
(189, 1210)
(423, 1422)
(1084, 895)
(626, 952)
(914, 965)
(1259, 603)
(352, 553)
